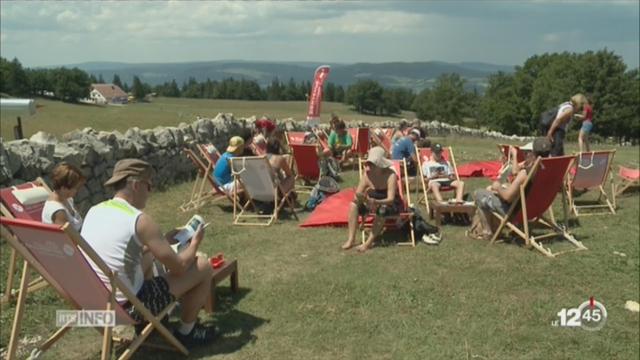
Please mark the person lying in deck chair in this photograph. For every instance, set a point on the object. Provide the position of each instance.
(498, 197)
(128, 240)
(222, 171)
(440, 174)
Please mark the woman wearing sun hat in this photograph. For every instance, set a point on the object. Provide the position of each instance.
(376, 193)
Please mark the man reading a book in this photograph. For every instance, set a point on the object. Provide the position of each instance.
(439, 173)
(128, 240)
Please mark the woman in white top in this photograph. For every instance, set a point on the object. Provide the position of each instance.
(59, 209)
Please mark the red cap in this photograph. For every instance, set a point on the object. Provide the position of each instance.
(266, 124)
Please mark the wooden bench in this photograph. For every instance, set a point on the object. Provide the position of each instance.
(228, 270)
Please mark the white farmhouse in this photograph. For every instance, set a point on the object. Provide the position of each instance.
(107, 94)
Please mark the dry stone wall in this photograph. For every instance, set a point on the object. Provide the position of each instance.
(96, 152)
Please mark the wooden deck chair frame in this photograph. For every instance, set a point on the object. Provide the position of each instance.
(265, 173)
(599, 176)
(447, 154)
(398, 220)
(627, 178)
(306, 160)
(37, 283)
(520, 207)
(11, 229)
(201, 194)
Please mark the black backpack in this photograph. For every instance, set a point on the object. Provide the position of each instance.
(420, 225)
(547, 117)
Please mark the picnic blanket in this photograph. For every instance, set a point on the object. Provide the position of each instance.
(488, 169)
(333, 211)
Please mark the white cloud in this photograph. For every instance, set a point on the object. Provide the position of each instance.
(66, 16)
(558, 38)
(551, 38)
(369, 22)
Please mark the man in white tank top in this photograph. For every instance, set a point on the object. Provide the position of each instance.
(128, 240)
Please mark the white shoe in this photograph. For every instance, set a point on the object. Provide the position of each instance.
(431, 239)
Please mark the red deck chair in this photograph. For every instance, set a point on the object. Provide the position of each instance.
(360, 137)
(305, 157)
(24, 201)
(424, 154)
(60, 255)
(396, 221)
(323, 139)
(200, 193)
(209, 153)
(294, 137)
(384, 140)
(591, 171)
(504, 150)
(627, 178)
(536, 196)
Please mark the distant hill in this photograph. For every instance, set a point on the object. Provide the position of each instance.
(414, 75)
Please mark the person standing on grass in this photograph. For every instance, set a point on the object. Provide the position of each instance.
(128, 240)
(59, 208)
(587, 125)
(556, 130)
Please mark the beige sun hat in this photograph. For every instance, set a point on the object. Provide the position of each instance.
(377, 157)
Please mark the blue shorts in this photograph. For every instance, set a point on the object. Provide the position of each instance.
(586, 127)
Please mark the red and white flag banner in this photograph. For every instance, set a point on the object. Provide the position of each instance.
(315, 98)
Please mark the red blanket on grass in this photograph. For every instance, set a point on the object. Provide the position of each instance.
(488, 169)
(333, 211)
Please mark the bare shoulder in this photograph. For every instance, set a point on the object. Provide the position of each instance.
(146, 228)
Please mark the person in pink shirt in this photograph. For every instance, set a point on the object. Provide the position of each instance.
(587, 125)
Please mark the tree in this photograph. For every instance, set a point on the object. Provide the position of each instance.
(70, 84)
(365, 96)
(13, 78)
(116, 81)
(329, 92)
(339, 95)
(100, 79)
(137, 89)
(446, 102)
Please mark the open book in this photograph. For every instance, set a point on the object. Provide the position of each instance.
(186, 233)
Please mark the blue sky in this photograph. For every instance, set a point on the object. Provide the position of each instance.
(500, 32)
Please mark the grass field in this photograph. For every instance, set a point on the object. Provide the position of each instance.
(57, 118)
(302, 297)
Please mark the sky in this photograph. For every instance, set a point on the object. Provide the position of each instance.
(498, 32)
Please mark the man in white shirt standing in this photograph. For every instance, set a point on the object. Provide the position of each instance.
(128, 240)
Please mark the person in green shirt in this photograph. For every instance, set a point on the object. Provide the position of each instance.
(340, 142)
